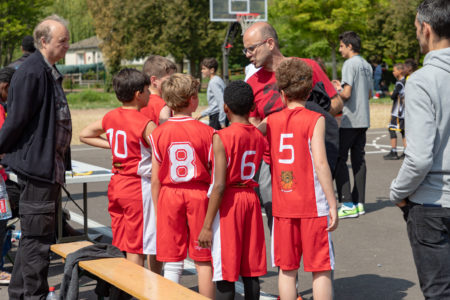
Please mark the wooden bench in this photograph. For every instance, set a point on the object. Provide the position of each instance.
(129, 277)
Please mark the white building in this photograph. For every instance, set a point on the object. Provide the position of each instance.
(84, 52)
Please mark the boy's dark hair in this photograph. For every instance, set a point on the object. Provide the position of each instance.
(437, 14)
(210, 63)
(294, 77)
(127, 82)
(6, 74)
(28, 44)
(410, 64)
(158, 66)
(400, 66)
(178, 89)
(238, 96)
(351, 38)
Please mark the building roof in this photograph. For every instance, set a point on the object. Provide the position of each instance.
(89, 43)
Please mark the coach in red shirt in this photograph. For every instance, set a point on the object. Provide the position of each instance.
(262, 49)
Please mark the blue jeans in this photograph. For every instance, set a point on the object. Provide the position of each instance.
(429, 235)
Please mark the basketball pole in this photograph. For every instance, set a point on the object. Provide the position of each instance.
(232, 31)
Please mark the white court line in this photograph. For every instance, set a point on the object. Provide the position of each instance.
(188, 265)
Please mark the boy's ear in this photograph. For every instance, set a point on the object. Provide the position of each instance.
(226, 109)
(152, 80)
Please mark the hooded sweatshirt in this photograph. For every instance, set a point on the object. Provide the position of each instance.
(424, 176)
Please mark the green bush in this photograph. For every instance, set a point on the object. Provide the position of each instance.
(92, 99)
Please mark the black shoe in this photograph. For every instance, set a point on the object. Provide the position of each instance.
(391, 156)
(402, 156)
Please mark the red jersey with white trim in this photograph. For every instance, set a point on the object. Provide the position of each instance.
(124, 130)
(267, 96)
(153, 108)
(296, 191)
(244, 146)
(265, 89)
(183, 147)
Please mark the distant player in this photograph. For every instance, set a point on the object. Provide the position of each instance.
(182, 154)
(233, 223)
(304, 205)
(127, 131)
(158, 69)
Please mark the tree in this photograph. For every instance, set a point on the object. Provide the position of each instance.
(17, 19)
(322, 19)
(189, 32)
(81, 23)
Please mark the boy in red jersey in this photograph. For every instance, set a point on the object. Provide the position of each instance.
(127, 130)
(304, 205)
(236, 233)
(182, 154)
(158, 69)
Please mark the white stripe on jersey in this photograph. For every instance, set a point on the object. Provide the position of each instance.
(321, 200)
(216, 249)
(145, 165)
(149, 218)
(155, 153)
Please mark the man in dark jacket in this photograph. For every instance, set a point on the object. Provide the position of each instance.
(35, 139)
(27, 49)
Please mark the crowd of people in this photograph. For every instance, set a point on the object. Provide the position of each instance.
(181, 187)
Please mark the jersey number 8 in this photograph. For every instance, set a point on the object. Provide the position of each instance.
(182, 157)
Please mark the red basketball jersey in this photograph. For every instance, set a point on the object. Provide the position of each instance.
(183, 147)
(153, 108)
(124, 129)
(296, 191)
(244, 147)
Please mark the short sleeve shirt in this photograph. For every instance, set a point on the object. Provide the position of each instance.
(357, 73)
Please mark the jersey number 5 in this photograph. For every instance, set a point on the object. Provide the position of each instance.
(120, 142)
(182, 157)
(286, 147)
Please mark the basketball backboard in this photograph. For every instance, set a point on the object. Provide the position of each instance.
(227, 10)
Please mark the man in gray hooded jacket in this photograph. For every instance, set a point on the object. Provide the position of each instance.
(422, 186)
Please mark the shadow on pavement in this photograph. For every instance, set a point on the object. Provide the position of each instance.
(380, 203)
(367, 287)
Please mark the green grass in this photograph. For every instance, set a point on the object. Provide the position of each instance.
(89, 99)
(385, 100)
(92, 99)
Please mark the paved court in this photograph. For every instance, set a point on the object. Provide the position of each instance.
(373, 256)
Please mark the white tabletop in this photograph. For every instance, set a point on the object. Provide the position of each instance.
(81, 173)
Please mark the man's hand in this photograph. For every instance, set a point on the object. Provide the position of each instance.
(334, 220)
(337, 85)
(401, 204)
(198, 118)
(205, 238)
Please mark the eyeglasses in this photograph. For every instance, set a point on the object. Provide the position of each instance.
(253, 48)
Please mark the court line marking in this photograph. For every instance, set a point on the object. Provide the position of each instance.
(188, 265)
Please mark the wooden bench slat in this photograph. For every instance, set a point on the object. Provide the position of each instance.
(65, 249)
(137, 281)
(129, 277)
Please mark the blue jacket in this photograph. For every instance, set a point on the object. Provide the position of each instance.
(28, 134)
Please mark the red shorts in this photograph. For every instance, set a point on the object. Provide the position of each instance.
(239, 247)
(180, 216)
(294, 237)
(132, 214)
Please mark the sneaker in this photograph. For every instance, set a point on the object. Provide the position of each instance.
(347, 212)
(360, 208)
(5, 278)
(391, 156)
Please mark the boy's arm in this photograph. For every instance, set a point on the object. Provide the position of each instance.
(220, 173)
(91, 135)
(323, 170)
(164, 114)
(156, 184)
(147, 131)
(262, 126)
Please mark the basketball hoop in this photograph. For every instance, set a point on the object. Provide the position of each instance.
(246, 20)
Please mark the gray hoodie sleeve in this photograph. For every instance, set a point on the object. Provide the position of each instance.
(420, 125)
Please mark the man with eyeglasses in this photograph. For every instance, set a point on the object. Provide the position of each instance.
(262, 49)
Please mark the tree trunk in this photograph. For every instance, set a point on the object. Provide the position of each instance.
(333, 60)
